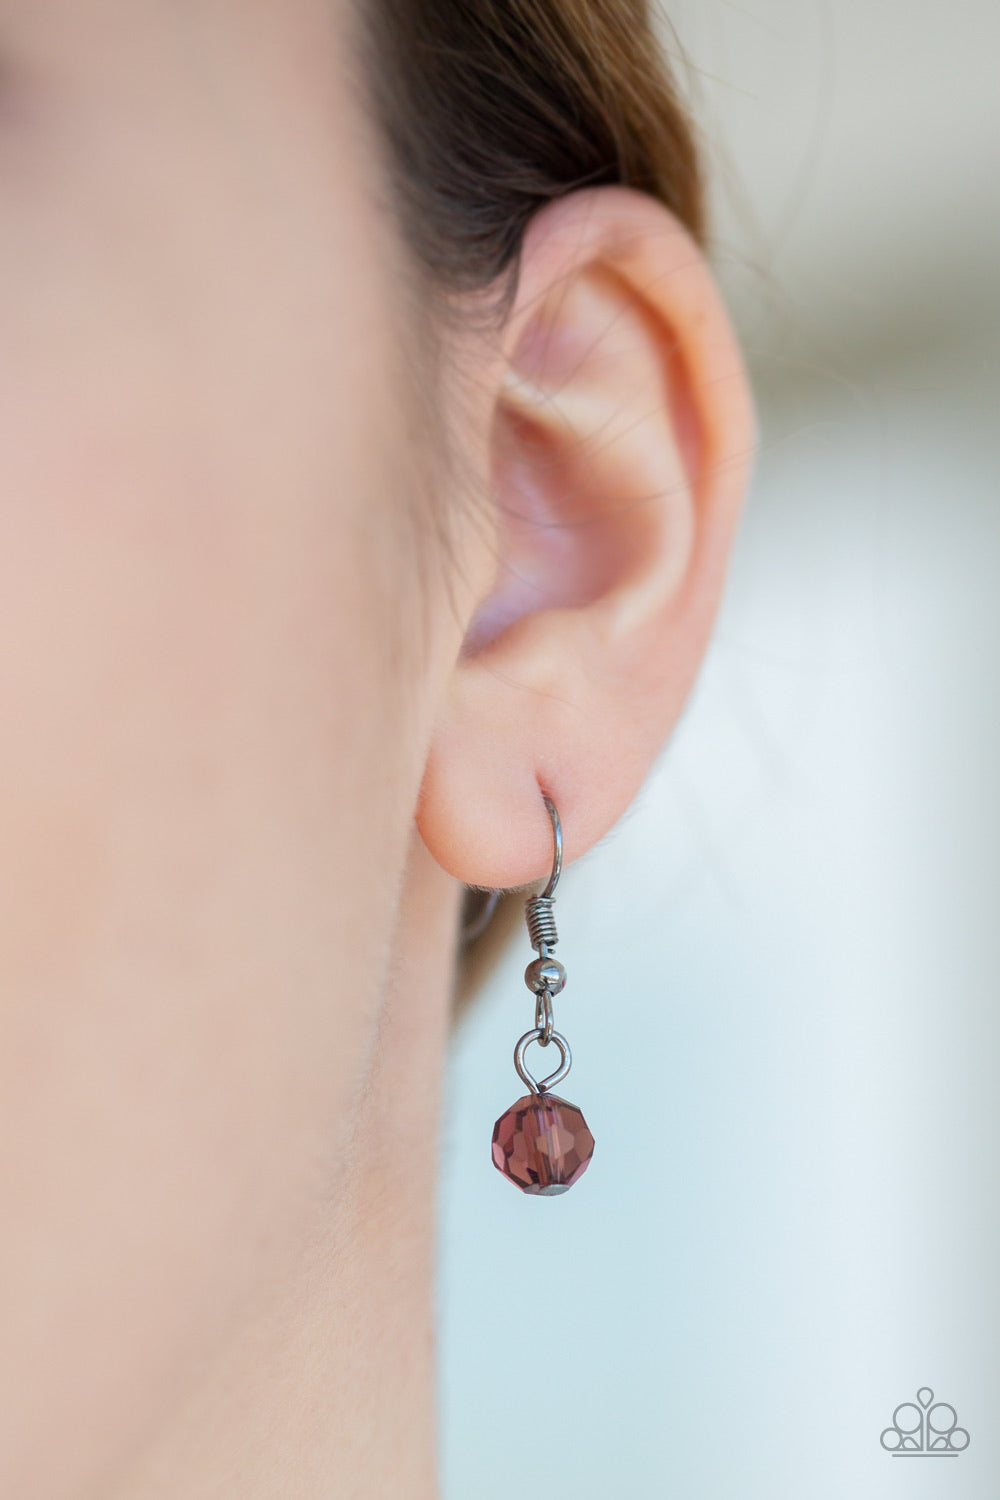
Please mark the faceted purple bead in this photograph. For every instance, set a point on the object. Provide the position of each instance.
(542, 1144)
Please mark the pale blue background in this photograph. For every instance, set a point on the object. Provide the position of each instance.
(783, 964)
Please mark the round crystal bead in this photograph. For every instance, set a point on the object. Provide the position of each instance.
(542, 1144)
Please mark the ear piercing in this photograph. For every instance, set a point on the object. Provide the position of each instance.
(542, 1143)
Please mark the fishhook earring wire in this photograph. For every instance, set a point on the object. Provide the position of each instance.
(478, 924)
(557, 847)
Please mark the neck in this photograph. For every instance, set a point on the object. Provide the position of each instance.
(331, 1392)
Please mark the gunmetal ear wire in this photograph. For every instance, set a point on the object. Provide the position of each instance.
(477, 925)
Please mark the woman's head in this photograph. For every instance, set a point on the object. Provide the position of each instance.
(372, 440)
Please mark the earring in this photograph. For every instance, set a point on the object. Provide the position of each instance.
(542, 1144)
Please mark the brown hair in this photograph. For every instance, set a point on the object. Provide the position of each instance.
(492, 108)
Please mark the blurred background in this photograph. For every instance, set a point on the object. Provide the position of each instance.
(783, 963)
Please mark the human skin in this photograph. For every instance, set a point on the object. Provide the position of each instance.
(259, 723)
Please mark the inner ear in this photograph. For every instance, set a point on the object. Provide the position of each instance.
(560, 546)
(585, 464)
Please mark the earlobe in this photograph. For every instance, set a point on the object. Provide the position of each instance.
(620, 447)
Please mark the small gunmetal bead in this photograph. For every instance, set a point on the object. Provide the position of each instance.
(545, 974)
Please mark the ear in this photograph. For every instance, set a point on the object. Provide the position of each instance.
(619, 445)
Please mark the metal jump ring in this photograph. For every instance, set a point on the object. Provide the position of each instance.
(544, 1018)
(535, 1035)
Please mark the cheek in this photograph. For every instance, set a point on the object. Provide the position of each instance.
(206, 770)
